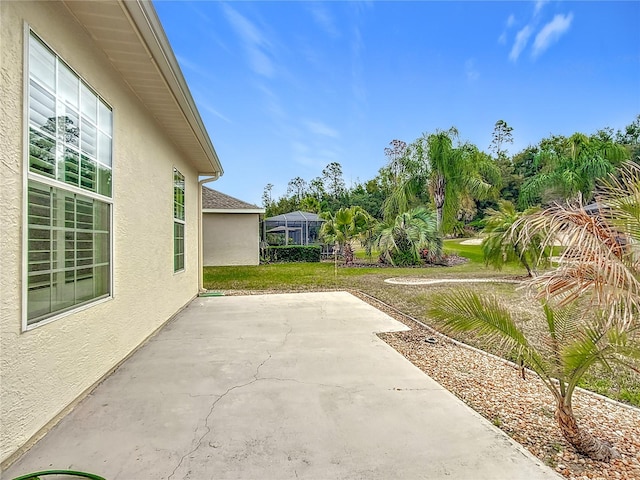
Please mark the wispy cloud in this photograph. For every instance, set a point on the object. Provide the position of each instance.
(195, 67)
(546, 36)
(324, 20)
(511, 21)
(208, 108)
(312, 155)
(551, 33)
(538, 6)
(471, 71)
(319, 128)
(255, 42)
(522, 38)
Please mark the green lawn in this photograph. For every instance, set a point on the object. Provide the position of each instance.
(412, 300)
(303, 276)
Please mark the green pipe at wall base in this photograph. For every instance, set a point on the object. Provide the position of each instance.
(37, 475)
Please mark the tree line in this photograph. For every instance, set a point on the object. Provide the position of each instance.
(461, 183)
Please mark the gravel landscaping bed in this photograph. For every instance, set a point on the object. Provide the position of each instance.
(523, 408)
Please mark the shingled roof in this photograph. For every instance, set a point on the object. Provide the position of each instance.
(214, 200)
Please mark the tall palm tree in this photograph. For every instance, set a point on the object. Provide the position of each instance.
(568, 349)
(447, 171)
(410, 234)
(501, 244)
(345, 226)
(601, 256)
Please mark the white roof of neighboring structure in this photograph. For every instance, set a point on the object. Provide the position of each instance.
(133, 39)
(297, 216)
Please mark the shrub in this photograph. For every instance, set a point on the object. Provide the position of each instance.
(294, 253)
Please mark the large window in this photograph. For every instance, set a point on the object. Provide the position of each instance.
(69, 204)
(178, 221)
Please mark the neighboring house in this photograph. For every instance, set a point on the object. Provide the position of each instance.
(101, 152)
(230, 230)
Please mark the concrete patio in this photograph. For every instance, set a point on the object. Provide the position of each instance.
(276, 387)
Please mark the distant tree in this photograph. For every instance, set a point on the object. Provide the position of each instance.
(502, 244)
(333, 181)
(310, 204)
(266, 195)
(297, 186)
(368, 196)
(316, 188)
(395, 154)
(630, 138)
(571, 166)
(631, 133)
(502, 134)
(284, 204)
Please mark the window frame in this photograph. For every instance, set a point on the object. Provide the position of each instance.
(179, 221)
(60, 185)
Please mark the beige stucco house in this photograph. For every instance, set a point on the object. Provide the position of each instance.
(230, 229)
(102, 155)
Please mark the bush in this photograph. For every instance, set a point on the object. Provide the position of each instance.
(294, 253)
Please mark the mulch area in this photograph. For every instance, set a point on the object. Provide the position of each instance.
(523, 408)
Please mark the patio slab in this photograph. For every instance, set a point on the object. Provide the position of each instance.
(276, 387)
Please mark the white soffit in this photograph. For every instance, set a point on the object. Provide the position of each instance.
(130, 34)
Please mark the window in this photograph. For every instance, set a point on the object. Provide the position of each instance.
(68, 235)
(178, 221)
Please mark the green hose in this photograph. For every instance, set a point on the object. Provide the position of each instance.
(37, 475)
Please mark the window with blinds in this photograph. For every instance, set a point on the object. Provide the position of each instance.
(69, 189)
(178, 221)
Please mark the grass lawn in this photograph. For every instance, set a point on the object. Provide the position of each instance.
(410, 299)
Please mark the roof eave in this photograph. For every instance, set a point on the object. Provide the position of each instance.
(132, 37)
(146, 20)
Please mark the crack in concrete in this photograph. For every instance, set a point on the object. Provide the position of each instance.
(213, 406)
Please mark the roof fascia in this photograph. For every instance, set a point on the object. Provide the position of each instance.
(233, 210)
(152, 34)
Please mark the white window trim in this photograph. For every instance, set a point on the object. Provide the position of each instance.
(28, 175)
(177, 220)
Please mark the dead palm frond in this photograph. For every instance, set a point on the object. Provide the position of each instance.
(601, 247)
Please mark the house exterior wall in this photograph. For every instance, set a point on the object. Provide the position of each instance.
(230, 239)
(45, 369)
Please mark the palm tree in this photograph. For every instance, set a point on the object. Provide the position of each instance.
(404, 240)
(568, 349)
(502, 244)
(571, 166)
(447, 171)
(345, 226)
(601, 256)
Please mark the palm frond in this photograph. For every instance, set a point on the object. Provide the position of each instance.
(465, 311)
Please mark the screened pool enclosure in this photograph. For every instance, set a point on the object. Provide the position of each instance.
(295, 228)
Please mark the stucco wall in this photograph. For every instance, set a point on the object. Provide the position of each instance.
(43, 370)
(230, 239)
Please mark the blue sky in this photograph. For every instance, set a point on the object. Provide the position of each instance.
(285, 88)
